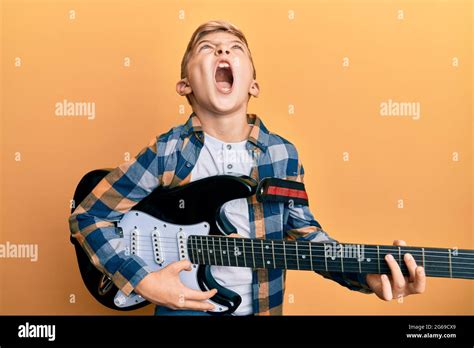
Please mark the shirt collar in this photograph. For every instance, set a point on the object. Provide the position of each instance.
(258, 135)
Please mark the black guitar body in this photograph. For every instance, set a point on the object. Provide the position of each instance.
(189, 204)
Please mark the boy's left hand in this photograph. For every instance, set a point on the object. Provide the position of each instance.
(397, 285)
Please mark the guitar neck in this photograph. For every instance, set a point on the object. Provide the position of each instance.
(326, 257)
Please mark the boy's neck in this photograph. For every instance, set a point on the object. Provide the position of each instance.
(231, 128)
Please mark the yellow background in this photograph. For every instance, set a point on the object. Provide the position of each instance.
(299, 62)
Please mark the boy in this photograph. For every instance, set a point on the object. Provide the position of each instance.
(218, 78)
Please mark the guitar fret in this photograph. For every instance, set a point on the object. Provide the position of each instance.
(325, 258)
(297, 256)
(450, 264)
(227, 245)
(200, 249)
(423, 256)
(342, 260)
(236, 252)
(253, 254)
(208, 252)
(192, 249)
(203, 252)
(359, 258)
(220, 249)
(197, 248)
(273, 253)
(378, 258)
(214, 248)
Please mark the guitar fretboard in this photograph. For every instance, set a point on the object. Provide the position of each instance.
(329, 257)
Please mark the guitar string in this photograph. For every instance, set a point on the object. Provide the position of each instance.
(383, 270)
(258, 257)
(432, 272)
(288, 251)
(196, 236)
(347, 267)
(329, 260)
(303, 252)
(174, 240)
(455, 259)
(406, 249)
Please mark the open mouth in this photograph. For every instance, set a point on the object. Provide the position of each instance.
(224, 77)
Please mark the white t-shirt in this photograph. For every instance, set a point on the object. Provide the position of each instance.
(218, 158)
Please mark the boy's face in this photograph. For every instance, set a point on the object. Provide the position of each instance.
(219, 74)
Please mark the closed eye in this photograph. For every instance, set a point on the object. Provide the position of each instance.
(204, 46)
(238, 46)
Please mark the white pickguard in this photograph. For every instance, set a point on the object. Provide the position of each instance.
(158, 243)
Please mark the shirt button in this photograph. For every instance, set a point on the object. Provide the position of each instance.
(188, 164)
(229, 146)
(229, 166)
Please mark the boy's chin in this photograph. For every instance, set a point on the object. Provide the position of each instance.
(224, 105)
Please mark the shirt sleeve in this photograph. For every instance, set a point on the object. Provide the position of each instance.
(301, 225)
(92, 223)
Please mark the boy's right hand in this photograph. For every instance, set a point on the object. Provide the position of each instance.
(164, 288)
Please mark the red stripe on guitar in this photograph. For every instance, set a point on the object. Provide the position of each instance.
(287, 192)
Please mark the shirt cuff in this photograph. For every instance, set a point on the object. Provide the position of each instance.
(130, 274)
(362, 279)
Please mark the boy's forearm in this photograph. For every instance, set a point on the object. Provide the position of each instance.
(352, 281)
(92, 224)
(305, 227)
(102, 247)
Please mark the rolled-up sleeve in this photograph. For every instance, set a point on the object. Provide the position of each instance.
(300, 224)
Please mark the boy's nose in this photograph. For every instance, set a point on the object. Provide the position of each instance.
(220, 51)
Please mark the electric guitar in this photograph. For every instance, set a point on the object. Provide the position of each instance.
(187, 223)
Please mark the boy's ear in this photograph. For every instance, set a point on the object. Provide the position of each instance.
(254, 89)
(183, 87)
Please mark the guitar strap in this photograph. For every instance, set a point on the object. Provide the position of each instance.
(281, 190)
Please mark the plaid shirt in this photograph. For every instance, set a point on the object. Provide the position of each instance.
(168, 161)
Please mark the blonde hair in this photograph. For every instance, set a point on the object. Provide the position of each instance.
(208, 28)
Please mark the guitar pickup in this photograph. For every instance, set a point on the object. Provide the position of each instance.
(158, 256)
(134, 242)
